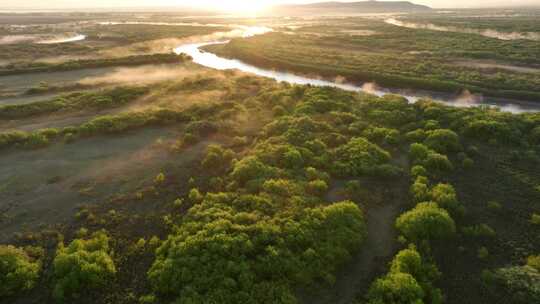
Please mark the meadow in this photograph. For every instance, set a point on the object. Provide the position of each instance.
(370, 50)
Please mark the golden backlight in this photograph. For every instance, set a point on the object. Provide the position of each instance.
(236, 6)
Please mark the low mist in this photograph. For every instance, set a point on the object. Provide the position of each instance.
(487, 33)
(138, 75)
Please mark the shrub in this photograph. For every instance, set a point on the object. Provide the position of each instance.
(417, 171)
(521, 282)
(408, 272)
(190, 139)
(217, 159)
(359, 156)
(483, 253)
(195, 196)
(479, 231)
(314, 174)
(467, 163)
(279, 111)
(18, 271)
(438, 164)
(396, 288)
(178, 203)
(239, 141)
(443, 141)
(292, 159)
(281, 187)
(534, 262)
(494, 206)
(420, 190)
(84, 264)
(427, 221)
(535, 219)
(382, 135)
(159, 179)
(445, 196)
(435, 163)
(418, 152)
(416, 135)
(219, 256)
(250, 168)
(317, 187)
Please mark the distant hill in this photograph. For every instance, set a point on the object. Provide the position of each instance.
(349, 8)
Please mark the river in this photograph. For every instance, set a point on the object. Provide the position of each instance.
(220, 63)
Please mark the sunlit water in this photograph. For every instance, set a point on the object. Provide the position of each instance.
(213, 61)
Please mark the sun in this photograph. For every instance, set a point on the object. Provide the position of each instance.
(238, 6)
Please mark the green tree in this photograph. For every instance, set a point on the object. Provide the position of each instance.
(18, 271)
(443, 141)
(427, 221)
(83, 264)
(396, 288)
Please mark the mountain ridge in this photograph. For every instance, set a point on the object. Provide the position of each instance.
(337, 7)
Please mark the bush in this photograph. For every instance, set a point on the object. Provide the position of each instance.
(418, 152)
(359, 156)
(435, 163)
(217, 159)
(427, 221)
(534, 262)
(467, 163)
(445, 196)
(195, 196)
(382, 135)
(483, 253)
(317, 187)
(479, 231)
(250, 168)
(417, 171)
(420, 190)
(84, 264)
(535, 219)
(281, 187)
(438, 164)
(219, 256)
(396, 288)
(416, 135)
(410, 280)
(18, 272)
(443, 141)
(521, 282)
(494, 206)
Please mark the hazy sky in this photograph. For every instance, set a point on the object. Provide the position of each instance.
(63, 4)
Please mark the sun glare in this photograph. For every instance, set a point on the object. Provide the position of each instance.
(237, 6)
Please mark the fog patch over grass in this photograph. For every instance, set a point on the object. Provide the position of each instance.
(41, 39)
(487, 33)
(139, 75)
(166, 45)
(481, 64)
(13, 39)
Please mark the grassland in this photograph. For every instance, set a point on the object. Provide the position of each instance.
(99, 38)
(369, 50)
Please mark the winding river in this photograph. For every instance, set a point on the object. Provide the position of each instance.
(464, 100)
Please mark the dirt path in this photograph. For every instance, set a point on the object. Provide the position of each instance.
(365, 264)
